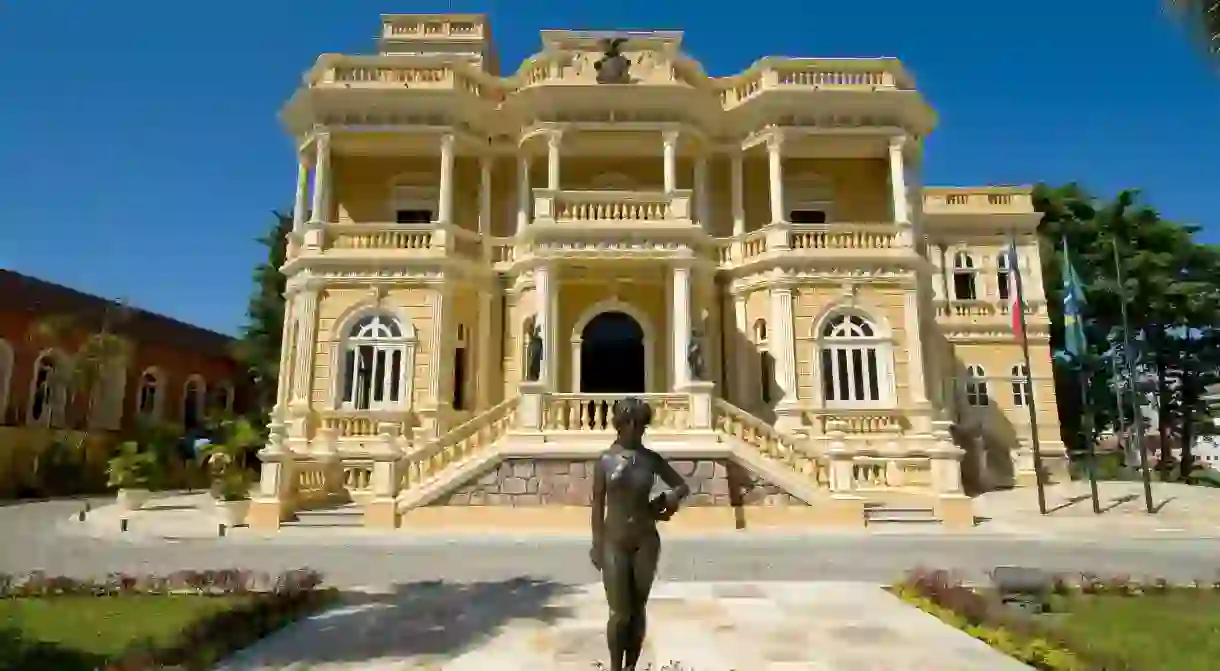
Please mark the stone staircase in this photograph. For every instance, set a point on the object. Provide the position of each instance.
(530, 451)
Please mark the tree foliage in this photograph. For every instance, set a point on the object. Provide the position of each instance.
(1171, 291)
(259, 346)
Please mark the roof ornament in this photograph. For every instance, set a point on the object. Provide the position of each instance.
(613, 67)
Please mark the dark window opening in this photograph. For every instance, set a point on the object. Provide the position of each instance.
(459, 379)
(963, 286)
(807, 217)
(413, 216)
(764, 366)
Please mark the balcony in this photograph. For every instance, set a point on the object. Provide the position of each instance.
(985, 312)
(615, 209)
(618, 224)
(809, 74)
(334, 71)
(379, 240)
(841, 239)
(989, 200)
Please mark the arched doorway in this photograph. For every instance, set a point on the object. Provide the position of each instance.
(612, 357)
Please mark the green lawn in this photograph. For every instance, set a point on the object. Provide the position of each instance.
(77, 632)
(1179, 630)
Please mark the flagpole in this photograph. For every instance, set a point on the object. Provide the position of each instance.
(1029, 378)
(1129, 354)
(1086, 432)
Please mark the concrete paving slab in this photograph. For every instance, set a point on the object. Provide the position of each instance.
(540, 626)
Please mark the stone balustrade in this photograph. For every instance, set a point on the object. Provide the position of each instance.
(465, 440)
(762, 437)
(810, 74)
(367, 72)
(422, 240)
(590, 413)
(973, 201)
(608, 207)
(839, 238)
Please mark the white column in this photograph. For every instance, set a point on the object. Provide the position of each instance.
(307, 311)
(702, 197)
(321, 181)
(485, 367)
(670, 139)
(523, 193)
(440, 361)
(782, 342)
(552, 161)
(445, 216)
(743, 349)
(485, 197)
(775, 173)
(940, 288)
(681, 325)
(738, 204)
(300, 205)
(914, 346)
(544, 321)
(283, 392)
(898, 181)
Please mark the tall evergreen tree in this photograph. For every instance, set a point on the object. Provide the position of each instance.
(259, 346)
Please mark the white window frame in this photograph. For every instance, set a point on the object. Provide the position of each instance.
(1022, 386)
(1003, 276)
(880, 343)
(964, 263)
(405, 343)
(201, 397)
(975, 387)
(57, 399)
(156, 412)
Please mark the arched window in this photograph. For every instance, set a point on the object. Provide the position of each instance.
(222, 397)
(193, 395)
(976, 386)
(854, 362)
(150, 399)
(1003, 276)
(6, 376)
(964, 280)
(377, 363)
(1022, 387)
(49, 391)
(766, 367)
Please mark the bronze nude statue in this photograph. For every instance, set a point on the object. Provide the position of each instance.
(626, 546)
(533, 370)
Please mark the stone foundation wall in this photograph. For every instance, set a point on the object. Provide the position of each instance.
(540, 482)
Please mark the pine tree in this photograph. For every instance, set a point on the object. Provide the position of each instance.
(259, 346)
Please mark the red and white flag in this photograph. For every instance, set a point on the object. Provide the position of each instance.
(1016, 307)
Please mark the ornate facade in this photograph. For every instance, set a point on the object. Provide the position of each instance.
(853, 323)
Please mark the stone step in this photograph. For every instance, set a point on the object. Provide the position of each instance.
(899, 515)
(342, 516)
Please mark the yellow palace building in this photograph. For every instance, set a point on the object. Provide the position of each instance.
(624, 207)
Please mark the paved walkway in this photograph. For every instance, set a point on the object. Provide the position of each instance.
(544, 626)
(1182, 512)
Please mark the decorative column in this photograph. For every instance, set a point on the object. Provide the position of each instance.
(300, 205)
(916, 380)
(484, 382)
(283, 392)
(321, 181)
(738, 200)
(553, 141)
(681, 325)
(775, 172)
(545, 320)
(440, 363)
(898, 181)
(743, 348)
(702, 198)
(782, 344)
(307, 311)
(523, 193)
(940, 287)
(485, 164)
(670, 139)
(445, 216)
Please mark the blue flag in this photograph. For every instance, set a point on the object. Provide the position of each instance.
(1074, 342)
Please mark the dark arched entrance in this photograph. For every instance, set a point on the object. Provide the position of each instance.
(612, 355)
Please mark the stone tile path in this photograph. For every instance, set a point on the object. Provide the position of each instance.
(541, 626)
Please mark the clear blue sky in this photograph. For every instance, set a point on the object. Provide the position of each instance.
(140, 153)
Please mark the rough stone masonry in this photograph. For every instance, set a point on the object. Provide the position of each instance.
(540, 482)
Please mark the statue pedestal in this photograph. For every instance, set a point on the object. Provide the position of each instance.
(700, 403)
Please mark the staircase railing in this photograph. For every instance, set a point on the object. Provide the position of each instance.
(754, 432)
(460, 443)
